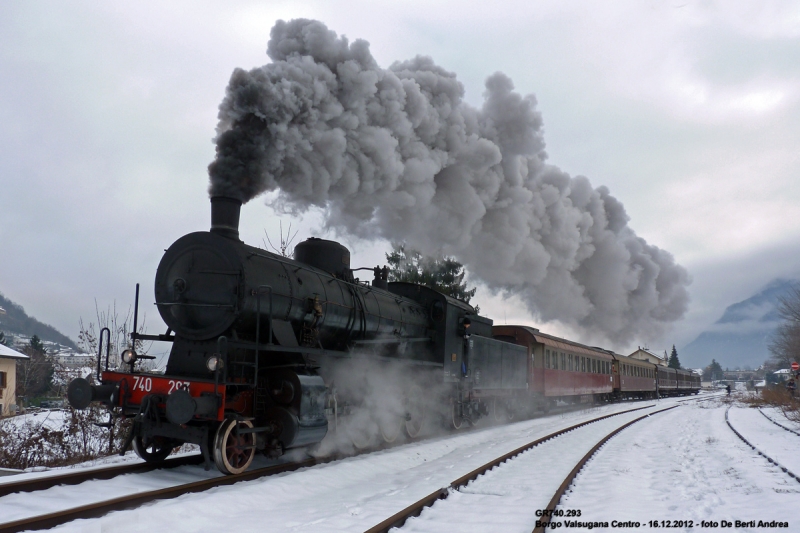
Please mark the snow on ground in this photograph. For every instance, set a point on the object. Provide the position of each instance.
(686, 464)
(775, 442)
(776, 414)
(349, 495)
(502, 499)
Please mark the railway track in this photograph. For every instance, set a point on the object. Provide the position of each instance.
(459, 487)
(81, 476)
(129, 501)
(778, 424)
(788, 472)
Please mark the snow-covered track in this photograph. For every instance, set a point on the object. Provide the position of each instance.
(779, 425)
(762, 454)
(80, 476)
(562, 489)
(400, 518)
(131, 501)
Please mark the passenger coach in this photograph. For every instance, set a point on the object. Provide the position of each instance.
(560, 370)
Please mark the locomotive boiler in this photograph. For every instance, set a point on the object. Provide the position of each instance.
(269, 352)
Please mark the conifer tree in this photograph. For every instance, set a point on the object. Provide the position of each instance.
(713, 371)
(444, 274)
(674, 362)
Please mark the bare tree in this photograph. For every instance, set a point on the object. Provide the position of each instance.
(785, 341)
(120, 334)
(34, 374)
(285, 241)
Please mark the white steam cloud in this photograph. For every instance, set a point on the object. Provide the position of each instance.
(397, 154)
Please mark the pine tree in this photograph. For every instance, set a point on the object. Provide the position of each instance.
(3, 340)
(713, 371)
(674, 362)
(444, 274)
(37, 345)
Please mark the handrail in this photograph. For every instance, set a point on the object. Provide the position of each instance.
(257, 294)
(100, 349)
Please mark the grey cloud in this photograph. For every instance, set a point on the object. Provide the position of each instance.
(397, 154)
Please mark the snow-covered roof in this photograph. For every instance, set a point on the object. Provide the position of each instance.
(783, 371)
(5, 351)
(648, 351)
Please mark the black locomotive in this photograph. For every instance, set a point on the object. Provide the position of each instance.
(270, 353)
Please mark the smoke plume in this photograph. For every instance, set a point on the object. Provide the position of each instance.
(397, 154)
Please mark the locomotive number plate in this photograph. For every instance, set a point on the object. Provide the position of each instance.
(135, 387)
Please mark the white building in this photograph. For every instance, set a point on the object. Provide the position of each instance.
(645, 354)
(8, 379)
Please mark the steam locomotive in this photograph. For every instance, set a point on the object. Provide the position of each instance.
(269, 353)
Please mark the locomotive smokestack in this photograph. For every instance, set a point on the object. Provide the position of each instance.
(225, 216)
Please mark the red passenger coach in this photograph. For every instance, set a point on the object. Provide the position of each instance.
(559, 369)
(634, 378)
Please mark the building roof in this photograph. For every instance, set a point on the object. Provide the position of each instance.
(5, 351)
(649, 352)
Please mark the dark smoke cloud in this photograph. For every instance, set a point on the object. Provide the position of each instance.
(397, 154)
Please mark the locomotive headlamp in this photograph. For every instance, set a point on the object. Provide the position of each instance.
(214, 362)
(129, 356)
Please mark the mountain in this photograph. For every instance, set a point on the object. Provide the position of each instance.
(741, 337)
(16, 322)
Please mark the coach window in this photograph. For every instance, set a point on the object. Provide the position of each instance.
(563, 361)
(547, 359)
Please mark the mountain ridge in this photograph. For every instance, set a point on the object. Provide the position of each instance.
(740, 337)
(16, 321)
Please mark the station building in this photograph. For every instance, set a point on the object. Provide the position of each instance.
(645, 354)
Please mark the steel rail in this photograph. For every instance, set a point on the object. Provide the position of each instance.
(545, 520)
(74, 478)
(777, 424)
(762, 454)
(562, 489)
(96, 510)
(131, 501)
(399, 518)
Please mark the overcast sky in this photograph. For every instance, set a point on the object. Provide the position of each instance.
(687, 111)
